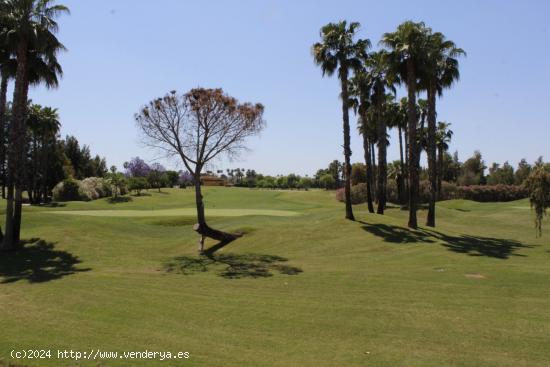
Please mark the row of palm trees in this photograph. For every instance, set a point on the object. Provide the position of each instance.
(413, 56)
(28, 56)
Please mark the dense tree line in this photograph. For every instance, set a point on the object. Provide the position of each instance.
(48, 158)
(28, 55)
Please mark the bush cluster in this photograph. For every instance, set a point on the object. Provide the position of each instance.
(90, 188)
(482, 193)
(486, 193)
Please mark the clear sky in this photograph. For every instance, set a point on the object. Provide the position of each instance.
(123, 53)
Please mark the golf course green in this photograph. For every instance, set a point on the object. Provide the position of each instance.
(302, 286)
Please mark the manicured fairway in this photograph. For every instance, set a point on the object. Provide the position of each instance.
(184, 212)
(307, 288)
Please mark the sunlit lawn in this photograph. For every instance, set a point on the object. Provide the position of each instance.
(302, 287)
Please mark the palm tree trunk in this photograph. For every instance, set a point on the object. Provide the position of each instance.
(3, 102)
(347, 142)
(402, 178)
(413, 168)
(382, 174)
(16, 161)
(440, 169)
(7, 243)
(368, 162)
(374, 169)
(407, 149)
(432, 169)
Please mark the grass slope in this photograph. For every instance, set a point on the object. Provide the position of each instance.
(306, 290)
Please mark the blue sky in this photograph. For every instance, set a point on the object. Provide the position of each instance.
(123, 53)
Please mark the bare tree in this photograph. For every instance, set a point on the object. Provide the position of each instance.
(200, 126)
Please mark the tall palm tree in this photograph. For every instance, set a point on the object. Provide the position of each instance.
(380, 81)
(441, 70)
(443, 137)
(43, 125)
(8, 66)
(339, 51)
(360, 89)
(397, 119)
(403, 108)
(407, 49)
(29, 30)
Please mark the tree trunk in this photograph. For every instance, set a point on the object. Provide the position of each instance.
(374, 169)
(432, 169)
(3, 101)
(347, 142)
(8, 244)
(382, 174)
(366, 148)
(17, 214)
(17, 151)
(440, 173)
(413, 168)
(407, 149)
(202, 227)
(402, 178)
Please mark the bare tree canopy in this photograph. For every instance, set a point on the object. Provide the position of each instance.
(199, 126)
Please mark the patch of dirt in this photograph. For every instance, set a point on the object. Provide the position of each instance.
(475, 276)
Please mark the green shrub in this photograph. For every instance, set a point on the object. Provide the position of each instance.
(67, 190)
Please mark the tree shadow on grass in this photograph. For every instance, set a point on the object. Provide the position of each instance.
(53, 204)
(119, 199)
(498, 248)
(397, 234)
(37, 261)
(231, 266)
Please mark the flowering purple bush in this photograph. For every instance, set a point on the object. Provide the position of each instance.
(137, 168)
(185, 179)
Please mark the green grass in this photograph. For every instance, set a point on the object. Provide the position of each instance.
(305, 290)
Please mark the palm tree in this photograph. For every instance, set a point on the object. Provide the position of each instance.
(443, 137)
(440, 72)
(29, 30)
(403, 107)
(8, 66)
(407, 49)
(360, 89)
(378, 76)
(397, 118)
(338, 51)
(43, 125)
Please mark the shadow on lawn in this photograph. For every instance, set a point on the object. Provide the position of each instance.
(231, 266)
(37, 261)
(466, 244)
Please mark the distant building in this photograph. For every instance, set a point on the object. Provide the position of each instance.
(212, 181)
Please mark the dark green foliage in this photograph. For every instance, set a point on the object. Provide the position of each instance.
(501, 175)
(67, 191)
(472, 172)
(172, 178)
(137, 184)
(83, 165)
(538, 186)
(358, 173)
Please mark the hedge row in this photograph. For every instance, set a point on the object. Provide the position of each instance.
(482, 193)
